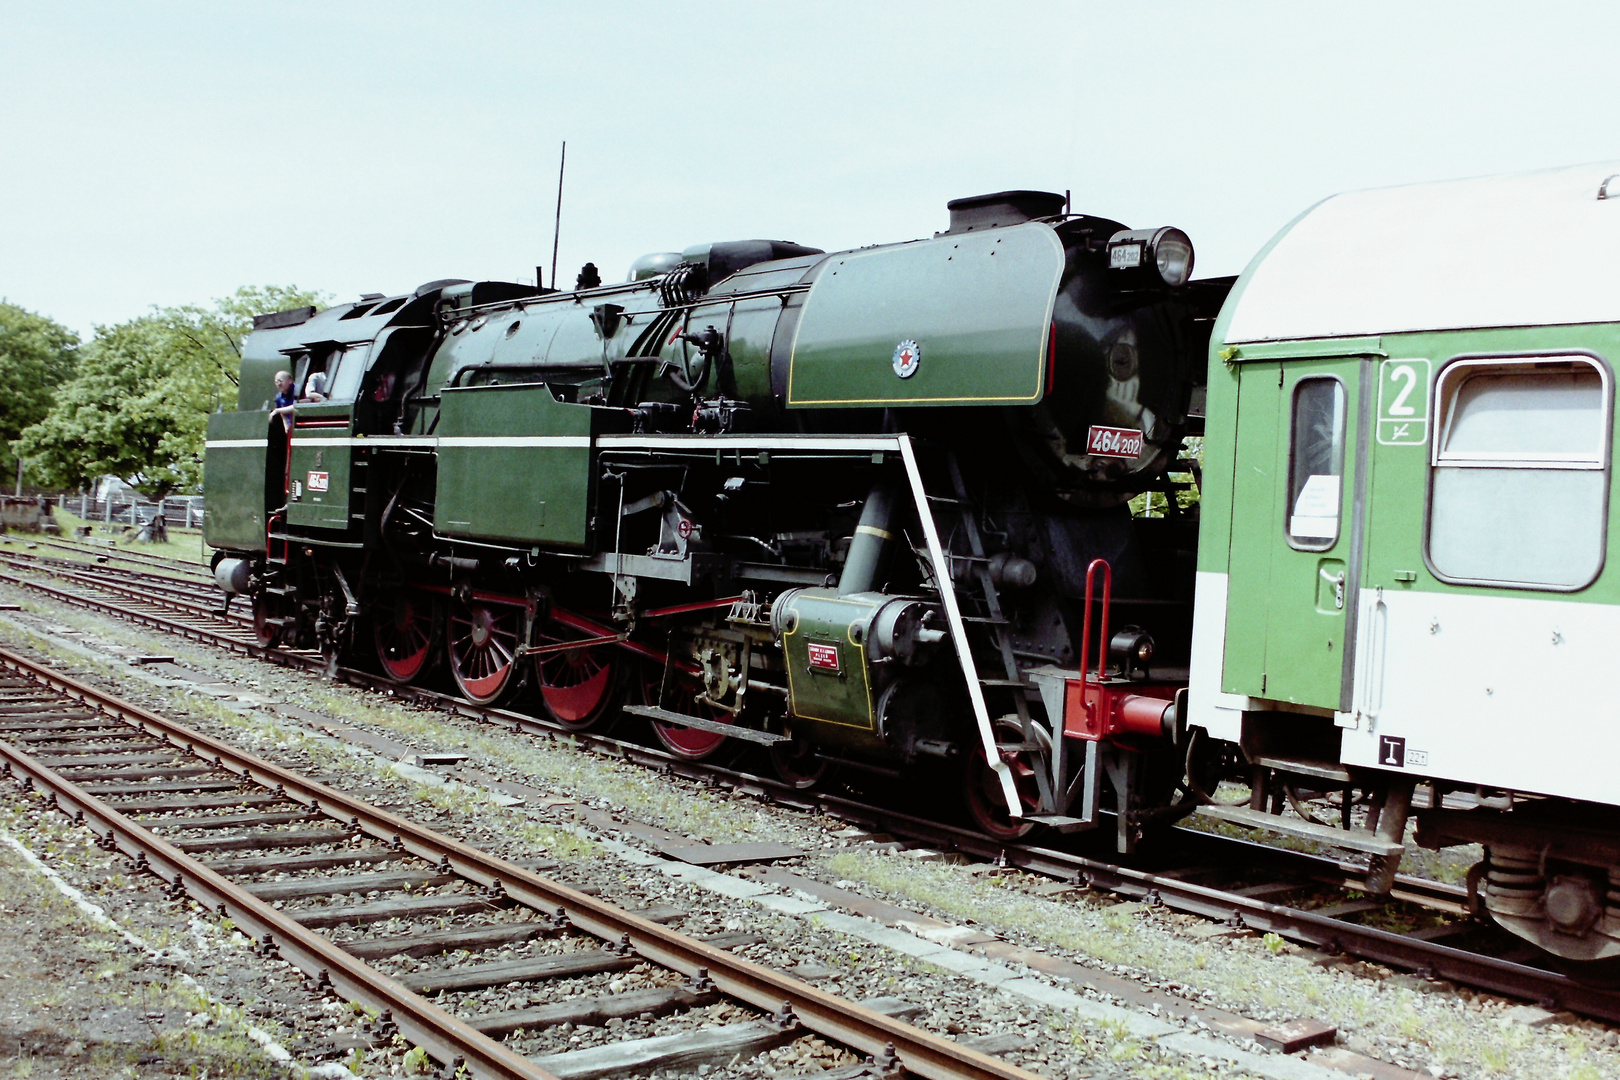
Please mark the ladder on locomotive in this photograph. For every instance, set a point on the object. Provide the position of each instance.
(980, 603)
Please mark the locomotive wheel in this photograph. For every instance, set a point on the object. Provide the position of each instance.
(481, 643)
(266, 608)
(684, 742)
(403, 633)
(985, 801)
(579, 688)
(796, 764)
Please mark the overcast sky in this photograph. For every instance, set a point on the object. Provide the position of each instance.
(167, 153)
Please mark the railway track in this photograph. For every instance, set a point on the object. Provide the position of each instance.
(1233, 881)
(115, 555)
(282, 856)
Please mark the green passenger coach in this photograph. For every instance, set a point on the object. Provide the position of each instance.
(1403, 583)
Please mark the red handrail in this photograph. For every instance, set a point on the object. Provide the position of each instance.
(1085, 633)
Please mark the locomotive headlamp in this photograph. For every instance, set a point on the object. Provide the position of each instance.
(1161, 256)
(1131, 650)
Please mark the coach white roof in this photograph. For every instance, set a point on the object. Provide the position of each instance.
(1528, 249)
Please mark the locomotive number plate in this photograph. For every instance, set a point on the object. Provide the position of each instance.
(1117, 442)
(316, 481)
(823, 657)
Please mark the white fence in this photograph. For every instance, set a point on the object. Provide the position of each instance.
(178, 512)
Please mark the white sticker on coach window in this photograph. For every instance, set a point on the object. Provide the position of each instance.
(1316, 510)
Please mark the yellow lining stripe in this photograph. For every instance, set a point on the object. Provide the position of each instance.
(872, 530)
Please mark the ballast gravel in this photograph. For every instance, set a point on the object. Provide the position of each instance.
(1431, 1028)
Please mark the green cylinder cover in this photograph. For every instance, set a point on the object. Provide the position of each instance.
(823, 637)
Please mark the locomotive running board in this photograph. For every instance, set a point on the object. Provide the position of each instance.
(735, 731)
(953, 618)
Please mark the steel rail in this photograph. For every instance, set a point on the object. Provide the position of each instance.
(208, 637)
(828, 1015)
(121, 589)
(139, 558)
(1365, 942)
(424, 1024)
(102, 564)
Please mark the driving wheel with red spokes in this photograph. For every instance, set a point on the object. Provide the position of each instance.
(986, 802)
(693, 744)
(481, 643)
(579, 688)
(403, 630)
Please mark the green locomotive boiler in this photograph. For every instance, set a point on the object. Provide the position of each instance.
(868, 507)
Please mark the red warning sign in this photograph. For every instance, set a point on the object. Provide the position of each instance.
(823, 657)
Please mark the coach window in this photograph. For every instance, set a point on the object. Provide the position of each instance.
(1315, 463)
(1520, 472)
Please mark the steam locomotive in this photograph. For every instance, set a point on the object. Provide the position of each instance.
(868, 508)
(873, 509)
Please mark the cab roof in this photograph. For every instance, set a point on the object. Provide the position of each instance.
(1534, 248)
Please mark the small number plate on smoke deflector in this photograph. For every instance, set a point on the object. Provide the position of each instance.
(1117, 442)
(823, 657)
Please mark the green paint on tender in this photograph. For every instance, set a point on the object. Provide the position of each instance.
(936, 293)
(234, 516)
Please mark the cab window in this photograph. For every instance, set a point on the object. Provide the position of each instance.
(1520, 472)
(344, 372)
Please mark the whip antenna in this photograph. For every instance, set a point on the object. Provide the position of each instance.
(557, 225)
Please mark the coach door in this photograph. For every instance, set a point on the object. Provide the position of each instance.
(1296, 530)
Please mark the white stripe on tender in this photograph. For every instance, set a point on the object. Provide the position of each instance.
(397, 440)
(512, 440)
(232, 444)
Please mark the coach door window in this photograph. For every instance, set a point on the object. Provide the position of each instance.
(1520, 472)
(1315, 463)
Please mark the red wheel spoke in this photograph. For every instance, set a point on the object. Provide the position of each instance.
(482, 647)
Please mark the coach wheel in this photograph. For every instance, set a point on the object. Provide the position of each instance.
(481, 643)
(403, 631)
(985, 800)
(267, 627)
(693, 744)
(579, 688)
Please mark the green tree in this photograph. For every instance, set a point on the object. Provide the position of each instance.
(37, 355)
(137, 406)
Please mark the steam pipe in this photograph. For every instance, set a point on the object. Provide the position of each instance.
(869, 548)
